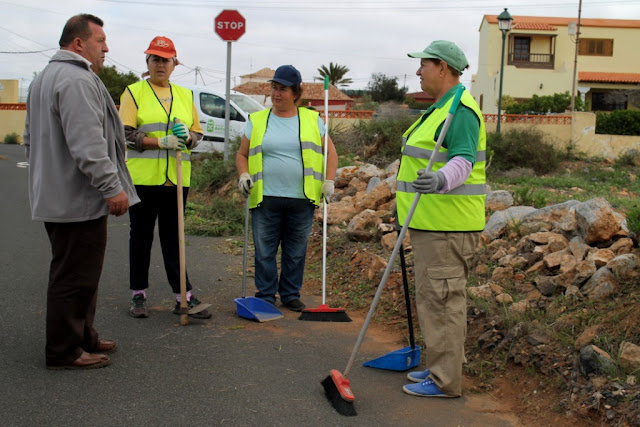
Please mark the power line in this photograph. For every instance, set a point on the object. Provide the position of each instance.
(27, 52)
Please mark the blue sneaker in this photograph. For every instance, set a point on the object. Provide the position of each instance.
(418, 376)
(426, 388)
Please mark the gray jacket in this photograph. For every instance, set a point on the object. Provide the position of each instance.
(74, 142)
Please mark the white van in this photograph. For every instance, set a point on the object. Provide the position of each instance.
(210, 105)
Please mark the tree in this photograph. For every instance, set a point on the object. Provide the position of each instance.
(383, 88)
(116, 82)
(336, 73)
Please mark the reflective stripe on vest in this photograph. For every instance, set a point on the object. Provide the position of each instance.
(310, 147)
(461, 209)
(155, 167)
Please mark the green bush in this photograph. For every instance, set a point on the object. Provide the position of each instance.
(633, 220)
(556, 103)
(12, 138)
(210, 171)
(524, 148)
(618, 122)
(375, 141)
(526, 196)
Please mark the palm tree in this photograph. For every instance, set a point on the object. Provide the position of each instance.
(336, 73)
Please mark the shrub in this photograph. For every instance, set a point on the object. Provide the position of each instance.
(633, 220)
(629, 158)
(376, 141)
(12, 138)
(556, 103)
(210, 171)
(526, 196)
(618, 122)
(523, 149)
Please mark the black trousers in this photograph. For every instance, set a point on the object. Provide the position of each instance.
(77, 250)
(156, 202)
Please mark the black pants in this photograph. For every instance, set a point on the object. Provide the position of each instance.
(155, 202)
(77, 250)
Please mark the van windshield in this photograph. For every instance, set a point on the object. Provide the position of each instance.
(246, 103)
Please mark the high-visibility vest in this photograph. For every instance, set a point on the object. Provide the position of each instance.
(155, 167)
(310, 147)
(461, 209)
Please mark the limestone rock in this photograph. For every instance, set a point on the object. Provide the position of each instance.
(546, 285)
(518, 307)
(595, 360)
(498, 200)
(597, 221)
(578, 248)
(482, 292)
(504, 299)
(559, 217)
(584, 270)
(502, 273)
(389, 241)
(586, 336)
(554, 259)
(498, 221)
(357, 229)
(338, 212)
(371, 200)
(372, 264)
(601, 257)
(629, 356)
(601, 285)
(624, 267)
(622, 246)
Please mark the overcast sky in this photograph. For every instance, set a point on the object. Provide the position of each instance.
(365, 36)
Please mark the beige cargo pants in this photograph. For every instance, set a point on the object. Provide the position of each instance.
(441, 272)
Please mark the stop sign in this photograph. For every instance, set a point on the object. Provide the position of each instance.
(229, 25)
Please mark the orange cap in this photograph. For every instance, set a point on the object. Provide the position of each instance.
(162, 47)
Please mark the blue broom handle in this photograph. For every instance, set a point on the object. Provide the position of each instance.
(403, 232)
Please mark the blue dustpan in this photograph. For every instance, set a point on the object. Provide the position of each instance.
(398, 360)
(253, 308)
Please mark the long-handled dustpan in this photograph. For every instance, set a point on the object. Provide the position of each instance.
(253, 308)
(407, 357)
(324, 313)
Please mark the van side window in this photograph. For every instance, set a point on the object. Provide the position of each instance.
(213, 106)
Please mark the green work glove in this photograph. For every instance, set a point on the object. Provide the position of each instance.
(171, 142)
(181, 131)
(428, 182)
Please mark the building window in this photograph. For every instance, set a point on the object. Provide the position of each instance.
(596, 47)
(521, 48)
(608, 101)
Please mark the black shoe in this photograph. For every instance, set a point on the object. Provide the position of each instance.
(138, 307)
(295, 305)
(204, 314)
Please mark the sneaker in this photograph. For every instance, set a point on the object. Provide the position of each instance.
(418, 376)
(426, 388)
(295, 305)
(138, 307)
(204, 314)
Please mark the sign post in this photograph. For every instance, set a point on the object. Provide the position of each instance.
(230, 26)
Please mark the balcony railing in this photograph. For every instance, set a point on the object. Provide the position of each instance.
(532, 60)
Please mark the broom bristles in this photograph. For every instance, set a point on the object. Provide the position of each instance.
(333, 395)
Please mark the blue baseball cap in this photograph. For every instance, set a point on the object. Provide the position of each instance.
(287, 75)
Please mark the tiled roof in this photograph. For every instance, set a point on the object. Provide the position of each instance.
(420, 97)
(596, 77)
(266, 72)
(563, 22)
(520, 25)
(310, 91)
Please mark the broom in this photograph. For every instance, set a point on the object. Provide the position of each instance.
(324, 313)
(337, 387)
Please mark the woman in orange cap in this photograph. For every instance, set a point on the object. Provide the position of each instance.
(159, 118)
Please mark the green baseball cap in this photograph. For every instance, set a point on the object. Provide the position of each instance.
(446, 51)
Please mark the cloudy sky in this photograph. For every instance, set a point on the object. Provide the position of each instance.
(366, 36)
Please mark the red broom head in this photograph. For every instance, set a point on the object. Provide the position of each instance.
(343, 385)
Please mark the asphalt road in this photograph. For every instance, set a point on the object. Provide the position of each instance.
(225, 370)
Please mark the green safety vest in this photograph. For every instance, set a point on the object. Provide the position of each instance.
(310, 146)
(461, 209)
(155, 167)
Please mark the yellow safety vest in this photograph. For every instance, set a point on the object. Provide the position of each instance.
(155, 167)
(461, 209)
(310, 146)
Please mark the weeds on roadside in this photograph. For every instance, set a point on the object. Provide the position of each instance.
(12, 138)
(524, 148)
(527, 196)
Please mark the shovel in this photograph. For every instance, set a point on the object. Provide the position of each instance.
(253, 308)
(407, 357)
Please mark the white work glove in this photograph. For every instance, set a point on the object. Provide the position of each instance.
(428, 182)
(245, 184)
(181, 131)
(170, 142)
(328, 187)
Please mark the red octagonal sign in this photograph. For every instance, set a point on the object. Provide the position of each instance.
(229, 25)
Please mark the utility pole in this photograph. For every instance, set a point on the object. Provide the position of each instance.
(196, 73)
(575, 61)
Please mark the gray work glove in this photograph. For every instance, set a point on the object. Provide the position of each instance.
(171, 142)
(245, 184)
(428, 182)
(328, 187)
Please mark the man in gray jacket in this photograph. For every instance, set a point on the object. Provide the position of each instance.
(75, 143)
